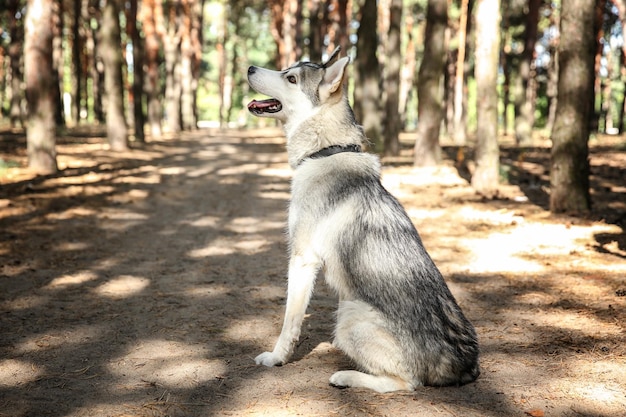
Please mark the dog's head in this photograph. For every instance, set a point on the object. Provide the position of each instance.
(297, 91)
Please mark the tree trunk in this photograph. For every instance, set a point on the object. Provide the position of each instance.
(429, 92)
(367, 88)
(407, 74)
(138, 71)
(621, 10)
(485, 177)
(15, 54)
(110, 41)
(569, 168)
(392, 80)
(171, 46)
(186, 77)
(57, 61)
(76, 65)
(152, 22)
(458, 129)
(40, 131)
(317, 29)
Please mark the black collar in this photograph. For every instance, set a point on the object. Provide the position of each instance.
(332, 150)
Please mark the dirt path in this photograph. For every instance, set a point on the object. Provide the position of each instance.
(143, 284)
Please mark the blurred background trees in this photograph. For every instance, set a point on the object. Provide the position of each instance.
(148, 67)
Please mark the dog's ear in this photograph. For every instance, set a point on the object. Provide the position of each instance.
(331, 59)
(333, 78)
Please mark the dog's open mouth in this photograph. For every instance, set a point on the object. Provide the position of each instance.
(265, 106)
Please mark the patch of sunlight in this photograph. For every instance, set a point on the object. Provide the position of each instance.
(131, 195)
(423, 214)
(239, 169)
(71, 213)
(201, 171)
(276, 172)
(72, 279)
(505, 251)
(253, 224)
(147, 179)
(212, 250)
(169, 363)
(14, 373)
(171, 171)
(576, 322)
(204, 221)
(602, 393)
(497, 217)
(497, 253)
(26, 302)
(276, 195)
(71, 246)
(120, 220)
(440, 175)
(122, 287)
(60, 338)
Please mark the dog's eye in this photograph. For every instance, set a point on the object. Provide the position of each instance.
(291, 79)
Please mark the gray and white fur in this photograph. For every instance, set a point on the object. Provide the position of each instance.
(396, 319)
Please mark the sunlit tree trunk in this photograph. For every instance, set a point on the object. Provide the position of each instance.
(186, 72)
(367, 80)
(171, 47)
(429, 91)
(283, 29)
(569, 167)
(110, 41)
(486, 175)
(392, 80)
(38, 75)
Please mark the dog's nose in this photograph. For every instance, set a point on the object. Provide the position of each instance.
(251, 70)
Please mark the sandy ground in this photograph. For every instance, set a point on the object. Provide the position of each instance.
(144, 284)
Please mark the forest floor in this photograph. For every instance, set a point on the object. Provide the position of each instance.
(144, 283)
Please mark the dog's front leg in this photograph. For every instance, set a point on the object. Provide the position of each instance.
(302, 273)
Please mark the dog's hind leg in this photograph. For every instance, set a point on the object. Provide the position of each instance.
(302, 273)
(379, 383)
(362, 335)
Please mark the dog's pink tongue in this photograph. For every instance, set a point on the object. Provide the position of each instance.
(261, 104)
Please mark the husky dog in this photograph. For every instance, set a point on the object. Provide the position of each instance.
(397, 319)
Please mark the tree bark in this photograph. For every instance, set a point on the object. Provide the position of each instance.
(367, 86)
(76, 65)
(40, 131)
(486, 176)
(458, 129)
(392, 80)
(171, 46)
(152, 22)
(569, 167)
(110, 41)
(15, 54)
(429, 91)
(138, 71)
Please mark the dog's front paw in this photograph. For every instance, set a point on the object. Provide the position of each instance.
(269, 359)
(342, 379)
